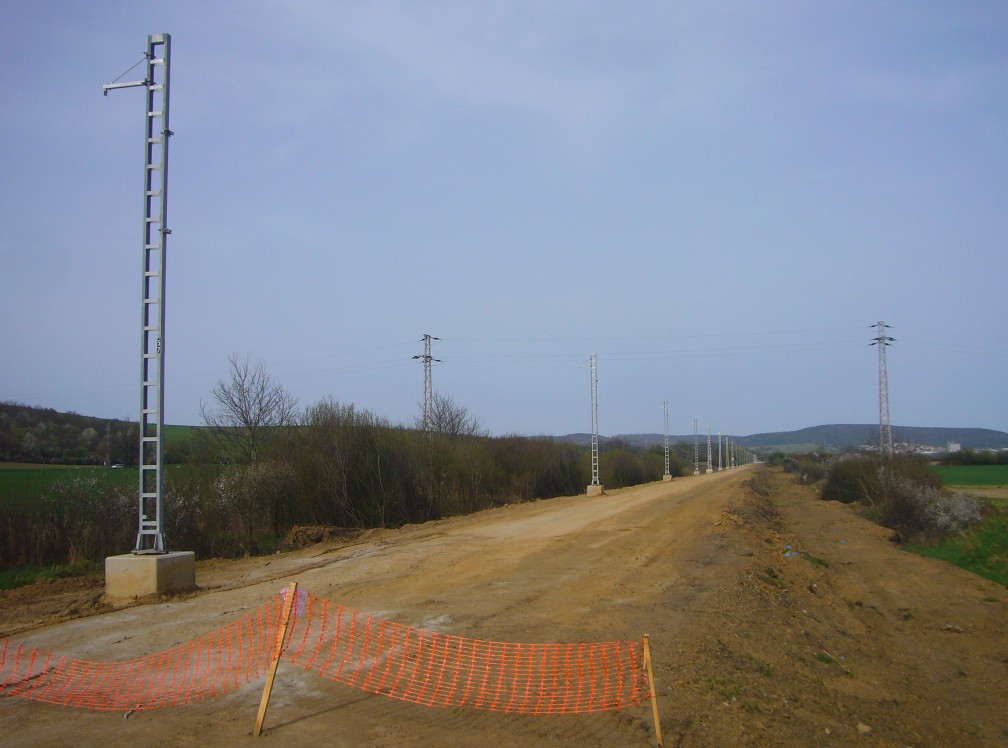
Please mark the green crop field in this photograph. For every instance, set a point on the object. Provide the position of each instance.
(24, 482)
(973, 475)
(175, 432)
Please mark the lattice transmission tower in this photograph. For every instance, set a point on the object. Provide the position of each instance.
(150, 534)
(883, 341)
(428, 385)
(710, 454)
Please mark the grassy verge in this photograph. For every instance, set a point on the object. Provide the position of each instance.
(11, 578)
(982, 550)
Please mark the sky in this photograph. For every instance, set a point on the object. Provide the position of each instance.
(718, 199)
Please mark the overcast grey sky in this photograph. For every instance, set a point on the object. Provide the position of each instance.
(716, 198)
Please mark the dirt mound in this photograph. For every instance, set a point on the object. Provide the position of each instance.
(51, 601)
(303, 536)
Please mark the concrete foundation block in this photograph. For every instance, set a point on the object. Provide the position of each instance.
(596, 489)
(666, 478)
(135, 575)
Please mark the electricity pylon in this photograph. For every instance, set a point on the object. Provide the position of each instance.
(883, 341)
(428, 389)
(710, 456)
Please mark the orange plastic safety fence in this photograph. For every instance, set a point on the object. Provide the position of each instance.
(372, 654)
(435, 669)
(215, 663)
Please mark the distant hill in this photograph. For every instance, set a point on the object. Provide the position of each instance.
(841, 436)
(30, 434)
(634, 440)
(834, 436)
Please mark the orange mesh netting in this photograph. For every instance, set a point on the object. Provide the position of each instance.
(372, 654)
(437, 669)
(215, 663)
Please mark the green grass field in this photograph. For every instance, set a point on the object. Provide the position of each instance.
(973, 475)
(24, 482)
(982, 550)
(175, 431)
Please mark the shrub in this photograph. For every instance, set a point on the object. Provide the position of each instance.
(853, 478)
(902, 494)
(811, 472)
(950, 512)
(918, 509)
(807, 468)
(915, 469)
(78, 518)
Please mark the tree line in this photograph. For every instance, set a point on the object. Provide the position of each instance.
(43, 435)
(262, 466)
(46, 436)
(976, 457)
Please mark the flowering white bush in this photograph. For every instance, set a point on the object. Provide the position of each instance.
(949, 512)
(909, 505)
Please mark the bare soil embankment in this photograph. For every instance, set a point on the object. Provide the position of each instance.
(848, 639)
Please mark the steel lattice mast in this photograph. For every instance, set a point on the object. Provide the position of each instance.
(594, 406)
(883, 341)
(665, 405)
(720, 464)
(696, 450)
(428, 390)
(150, 534)
(710, 455)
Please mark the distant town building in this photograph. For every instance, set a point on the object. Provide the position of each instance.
(953, 447)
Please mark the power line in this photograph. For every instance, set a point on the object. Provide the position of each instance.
(595, 338)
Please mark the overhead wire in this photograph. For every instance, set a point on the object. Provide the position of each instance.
(597, 338)
(525, 356)
(140, 62)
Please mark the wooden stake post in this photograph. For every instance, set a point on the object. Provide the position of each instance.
(281, 636)
(654, 699)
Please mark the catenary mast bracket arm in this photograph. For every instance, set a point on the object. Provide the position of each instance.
(128, 84)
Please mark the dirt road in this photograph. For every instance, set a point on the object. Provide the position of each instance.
(848, 639)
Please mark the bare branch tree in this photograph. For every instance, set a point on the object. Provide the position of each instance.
(250, 408)
(453, 420)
